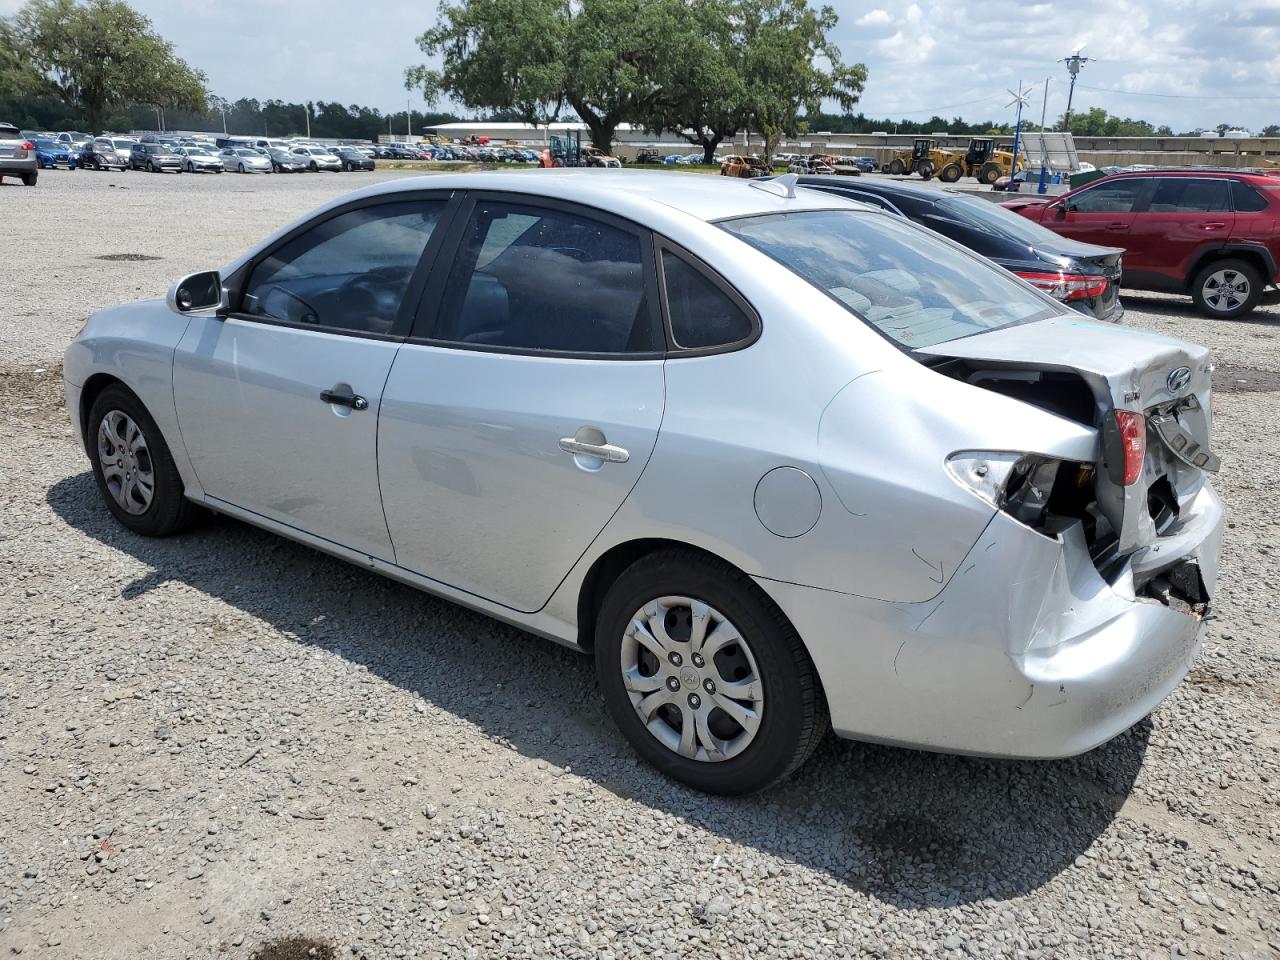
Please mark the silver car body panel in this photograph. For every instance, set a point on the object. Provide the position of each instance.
(307, 463)
(478, 492)
(933, 618)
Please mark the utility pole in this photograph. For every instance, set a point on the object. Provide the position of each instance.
(222, 105)
(408, 122)
(307, 109)
(1044, 147)
(1074, 63)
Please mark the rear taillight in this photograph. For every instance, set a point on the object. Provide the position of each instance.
(1132, 427)
(27, 147)
(1066, 286)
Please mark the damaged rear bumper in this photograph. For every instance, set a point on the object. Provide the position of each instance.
(1028, 652)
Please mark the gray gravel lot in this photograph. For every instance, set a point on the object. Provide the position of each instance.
(215, 741)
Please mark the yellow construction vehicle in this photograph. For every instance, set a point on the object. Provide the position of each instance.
(922, 158)
(981, 160)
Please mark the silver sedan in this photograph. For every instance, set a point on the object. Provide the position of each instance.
(780, 462)
(244, 160)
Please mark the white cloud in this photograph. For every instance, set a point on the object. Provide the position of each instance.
(875, 18)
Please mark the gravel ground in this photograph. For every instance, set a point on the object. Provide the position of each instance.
(226, 744)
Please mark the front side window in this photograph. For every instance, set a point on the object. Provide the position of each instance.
(349, 272)
(702, 315)
(911, 286)
(531, 278)
(1119, 196)
(1190, 195)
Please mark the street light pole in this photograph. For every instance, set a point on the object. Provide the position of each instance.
(1044, 147)
(408, 121)
(1074, 63)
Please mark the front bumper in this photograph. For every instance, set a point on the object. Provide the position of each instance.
(1028, 652)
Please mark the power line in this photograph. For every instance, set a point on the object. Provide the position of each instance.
(1171, 96)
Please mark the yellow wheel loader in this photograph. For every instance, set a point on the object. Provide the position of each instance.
(982, 160)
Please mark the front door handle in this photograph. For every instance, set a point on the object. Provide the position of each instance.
(601, 451)
(1118, 226)
(1215, 225)
(352, 400)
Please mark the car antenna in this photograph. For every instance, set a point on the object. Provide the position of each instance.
(784, 186)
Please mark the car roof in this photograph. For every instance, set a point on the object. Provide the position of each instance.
(629, 193)
(1261, 178)
(884, 187)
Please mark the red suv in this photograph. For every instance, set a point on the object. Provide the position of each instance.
(1212, 234)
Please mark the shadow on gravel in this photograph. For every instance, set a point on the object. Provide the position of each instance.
(914, 829)
(1266, 314)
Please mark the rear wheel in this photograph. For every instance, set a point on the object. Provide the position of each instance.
(133, 467)
(950, 173)
(925, 169)
(897, 167)
(29, 179)
(1225, 289)
(705, 676)
(989, 173)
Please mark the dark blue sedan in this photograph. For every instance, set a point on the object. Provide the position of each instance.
(51, 154)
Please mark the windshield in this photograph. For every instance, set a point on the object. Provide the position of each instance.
(247, 153)
(47, 144)
(913, 287)
(122, 144)
(996, 219)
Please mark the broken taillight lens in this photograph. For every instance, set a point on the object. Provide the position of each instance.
(1132, 425)
(1066, 286)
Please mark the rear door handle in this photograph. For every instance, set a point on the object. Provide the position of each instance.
(1117, 226)
(601, 451)
(352, 400)
(1215, 225)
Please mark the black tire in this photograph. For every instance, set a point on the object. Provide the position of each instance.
(169, 511)
(794, 714)
(989, 173)
(925, 169)
(315, 167)
(897, 167)
(950, 173)
(1240, 274)
(29, 179)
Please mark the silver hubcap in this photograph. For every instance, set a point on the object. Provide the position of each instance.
(126, 462)
(692, 679)
(1226, 290)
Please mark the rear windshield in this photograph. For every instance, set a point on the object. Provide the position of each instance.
(122, 144)
(996, 219)
(911, 286)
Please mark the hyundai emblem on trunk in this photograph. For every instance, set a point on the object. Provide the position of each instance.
(1178, 379)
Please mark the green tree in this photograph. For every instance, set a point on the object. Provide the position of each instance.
(703, 90)
(792, 67)
(98, 55)
(602, 58)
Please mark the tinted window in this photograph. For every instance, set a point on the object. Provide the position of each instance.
(1118, 196)
(1245, 198)
(992, 218)
(1189, 195)
(537, 279)
(349, 272)
(702, 315)
(914, 288)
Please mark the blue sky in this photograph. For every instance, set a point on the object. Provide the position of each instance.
(1210, 62)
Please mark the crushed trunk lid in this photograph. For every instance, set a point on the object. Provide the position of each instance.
(1163, 380)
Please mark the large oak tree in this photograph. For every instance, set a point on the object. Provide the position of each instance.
(100, 54)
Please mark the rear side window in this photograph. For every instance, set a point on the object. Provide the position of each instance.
(1245, 198)
(1120, 196)
(347, 273)
(1190, 195)
(702, 315)
(531, 278)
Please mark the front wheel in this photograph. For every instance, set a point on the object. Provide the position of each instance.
(950, 173)
(989, 173)
(897, 167)
(133, 467)
(1226, 289)
(705, 676)
(240, 168)
(925, 169)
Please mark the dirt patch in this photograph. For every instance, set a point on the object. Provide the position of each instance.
(1228, 379)
(295, 948)
(126, 257)
(32, 390)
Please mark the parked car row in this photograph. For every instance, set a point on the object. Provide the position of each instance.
(158, 155)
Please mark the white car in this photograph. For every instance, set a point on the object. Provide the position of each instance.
(244, 160)
(319, 158)
(779, 461)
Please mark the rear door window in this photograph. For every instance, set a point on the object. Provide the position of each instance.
(529, 278)
(1190, 195)
(1246, 199)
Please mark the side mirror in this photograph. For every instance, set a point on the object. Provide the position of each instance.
(1060, 210)
(199, 291)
